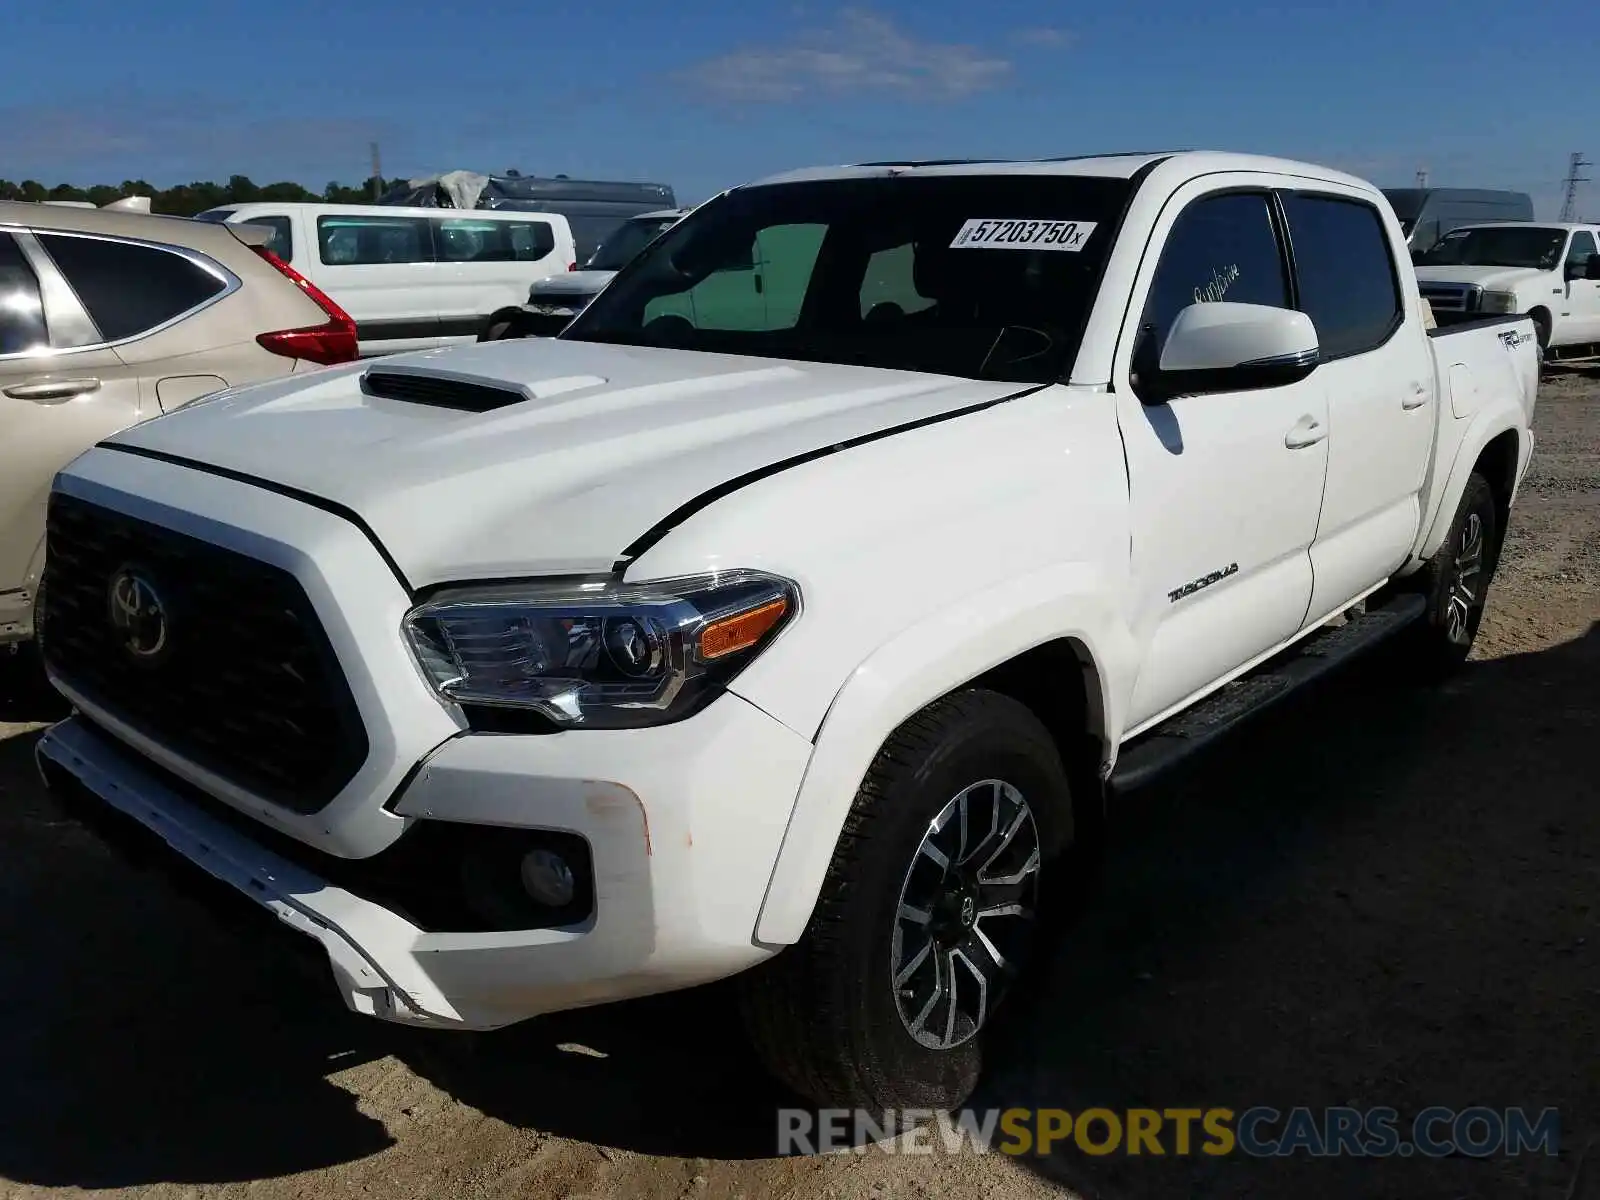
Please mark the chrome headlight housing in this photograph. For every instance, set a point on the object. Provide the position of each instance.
(598, 654)
(1498, 302)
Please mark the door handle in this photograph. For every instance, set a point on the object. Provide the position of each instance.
(1416, 398)
(52, 391)
(1308, 431)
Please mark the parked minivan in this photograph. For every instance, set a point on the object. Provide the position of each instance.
(1427, 214)
(412, 277)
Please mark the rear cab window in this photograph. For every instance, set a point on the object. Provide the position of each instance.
(131, 288)
(351, 241)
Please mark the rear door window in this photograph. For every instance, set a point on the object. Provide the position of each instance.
(22, 327)
(356, 241)
(130, 288)
(1348, 285)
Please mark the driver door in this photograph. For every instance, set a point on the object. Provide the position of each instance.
(1225, 488)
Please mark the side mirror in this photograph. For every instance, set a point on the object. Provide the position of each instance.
(1224, 347)
(1591, 267)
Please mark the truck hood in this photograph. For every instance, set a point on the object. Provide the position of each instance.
(603, 443)
(570, 285)
(1488, 278)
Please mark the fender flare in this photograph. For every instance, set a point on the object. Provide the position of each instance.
(929, 660)
(1485, 427)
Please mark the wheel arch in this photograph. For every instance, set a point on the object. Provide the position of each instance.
(1064, 657)
(1495, 445)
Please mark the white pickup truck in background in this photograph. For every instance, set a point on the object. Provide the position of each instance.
(798, 639)
(1550, 272)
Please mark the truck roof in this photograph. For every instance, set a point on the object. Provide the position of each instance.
(1569, 226)
(1114, 165)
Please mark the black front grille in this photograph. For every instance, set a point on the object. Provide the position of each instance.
(235, 673)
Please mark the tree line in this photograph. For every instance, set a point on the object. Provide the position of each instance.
(186, 199)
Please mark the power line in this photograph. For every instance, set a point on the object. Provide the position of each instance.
(1569, 206)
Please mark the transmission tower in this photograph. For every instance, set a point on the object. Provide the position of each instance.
(1569, 206)
(1422, 177)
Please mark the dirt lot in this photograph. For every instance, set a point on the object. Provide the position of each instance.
(1383, 896)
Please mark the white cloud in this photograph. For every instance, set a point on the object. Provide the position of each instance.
(862, 52)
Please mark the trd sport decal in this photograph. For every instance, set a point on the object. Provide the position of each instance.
(1204, 581)
(1511, 339)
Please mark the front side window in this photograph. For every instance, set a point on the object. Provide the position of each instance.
(1533, 246)
(994, 274)
(1220, 248)
(130, 288)
(1347, 279)
(22, 327)
(1583, 246)
(373, 241)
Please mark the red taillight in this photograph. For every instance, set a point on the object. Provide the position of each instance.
(572, 266)
(333, 342)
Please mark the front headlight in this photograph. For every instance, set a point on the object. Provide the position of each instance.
(599, 654)
(1498, 302)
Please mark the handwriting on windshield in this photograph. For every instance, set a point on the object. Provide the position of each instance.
(1221, 281)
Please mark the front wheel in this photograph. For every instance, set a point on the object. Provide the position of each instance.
(927, 916)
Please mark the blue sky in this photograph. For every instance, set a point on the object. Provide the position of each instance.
(703, 94)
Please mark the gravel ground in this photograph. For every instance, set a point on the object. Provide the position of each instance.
(1385, 895)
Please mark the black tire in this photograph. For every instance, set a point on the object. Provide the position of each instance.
(501, 325)
(1541, 335)
(1455, 582)
(825, 1014)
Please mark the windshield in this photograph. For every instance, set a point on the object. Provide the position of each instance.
(1497, 246)
(631, 237)
(981, 276)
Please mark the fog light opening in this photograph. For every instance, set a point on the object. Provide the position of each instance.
(548, 878)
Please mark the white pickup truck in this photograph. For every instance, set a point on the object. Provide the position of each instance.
(798, 642)
(1550, 272)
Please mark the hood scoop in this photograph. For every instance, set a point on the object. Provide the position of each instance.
(463, 392)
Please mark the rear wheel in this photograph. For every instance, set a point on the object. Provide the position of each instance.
(928, 914)
(1455, 581)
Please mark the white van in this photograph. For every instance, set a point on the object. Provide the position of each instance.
(412, 277)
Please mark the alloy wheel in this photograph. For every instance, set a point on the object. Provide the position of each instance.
(968, 906)
(1465, 579)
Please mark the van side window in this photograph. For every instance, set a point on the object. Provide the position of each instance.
(1348, 285)
(466, 239)
(22, 325)
(98, 269)
(281, 242)
(1220, 248)
(370, 241)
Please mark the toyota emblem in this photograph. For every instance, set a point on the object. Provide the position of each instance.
(137, 614)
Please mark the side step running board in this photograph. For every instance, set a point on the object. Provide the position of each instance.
(1153, 753)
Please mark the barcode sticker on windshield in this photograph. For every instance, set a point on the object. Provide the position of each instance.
(998, 234)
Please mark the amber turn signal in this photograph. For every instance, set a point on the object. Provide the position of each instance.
(741, 631)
